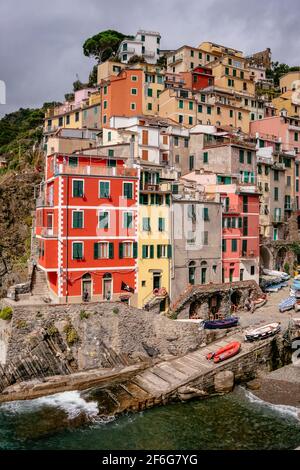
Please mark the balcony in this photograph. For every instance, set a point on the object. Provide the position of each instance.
(175, 60)
(92, 170)
(41, 202)
(277, 219)
(248, 254)
(49, 232)
(231, 210)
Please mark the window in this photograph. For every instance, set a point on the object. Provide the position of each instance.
(200, 55)
(252, 270)
(149, 93)
(160, 79)
(146, 224)
(202, 97)
(234, 244)
(104, 219)
(161, 224)
(60, 121)
(192, 65)
(180, 119)
(190, 120)
(192, 270)
(288, 181)
(245, 203)
(192, 53)
(73, 161)
(224, 245)
(103, 250)
(142, 37)
(203, 275)
(205, 214)
(144, 199)
(128, 190)
(239, 116)
(132, 106)
(231, 113)
(105, 90)
(276, 175)
(191, 105)
(249, 158)
(105, 104)
(226, 70)
(180, 104)
(252, 116)
(186, 142)
(164, 251)
(244, 247)
(191, 162)
(296, 136)
(133, 91)
(208, 109)
(191, 237)
(77, 219)
(127, 220)
(205, 238)
(77, 189)
(127, 250)
(77, 250)
(147, 251)
(208, 58)
(104, 189)
(104, 119)
(77, 116)
(205, 157)
(218, 110)
(177, 158)
(241, 153)
(276, 194)
(134, 78)
(149, 106)
(176, 141)
(200, 108)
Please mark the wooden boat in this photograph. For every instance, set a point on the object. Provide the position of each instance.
(226, 352)
(262, 332)
(272, 272)
(228, 322)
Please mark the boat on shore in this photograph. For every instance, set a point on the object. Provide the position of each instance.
(272, 272)
(260, 302)
(228, 322)
(224, 353)
(262, 332)
(287, 304)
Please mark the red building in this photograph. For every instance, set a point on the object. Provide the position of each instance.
(199, 78)
(240, 238)
(86, 226)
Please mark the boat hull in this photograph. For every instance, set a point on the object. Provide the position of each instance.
(224, 353)
(221, 324)
(262, 332)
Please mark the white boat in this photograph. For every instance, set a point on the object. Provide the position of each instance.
(272, 272)
(262, 332)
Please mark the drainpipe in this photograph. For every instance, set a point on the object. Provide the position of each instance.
(67, 241)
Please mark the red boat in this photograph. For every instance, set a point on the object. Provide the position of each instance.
(226, 352)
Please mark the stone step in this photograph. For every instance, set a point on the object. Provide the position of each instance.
(188, 365)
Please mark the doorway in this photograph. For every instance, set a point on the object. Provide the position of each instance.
(156, 281)
(86, 287)
(107, 286)
(231, 272)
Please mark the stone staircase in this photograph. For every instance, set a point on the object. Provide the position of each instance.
(39, 285)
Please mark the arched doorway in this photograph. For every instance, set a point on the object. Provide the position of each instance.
(196, 309)
(265, 257)
(214, 304)
(107, 286)
(280, 257)
(203, 272)
(86, 287)
(235, 300)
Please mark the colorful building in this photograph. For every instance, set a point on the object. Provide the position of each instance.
(86, 226)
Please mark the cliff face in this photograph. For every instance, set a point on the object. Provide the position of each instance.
(16, 206)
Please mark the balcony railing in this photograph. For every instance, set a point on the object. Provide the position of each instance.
(276, 219)
(248, 254)
(41, 202)
(231, 209)
(49, 232)
(63, 169)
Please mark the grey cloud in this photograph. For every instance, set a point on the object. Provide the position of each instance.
(41, 41)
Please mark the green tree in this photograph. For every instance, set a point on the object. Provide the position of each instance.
(93, 76)
(136, 59)
(277, 71)
(103, 45)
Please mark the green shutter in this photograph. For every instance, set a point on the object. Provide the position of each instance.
(169, 251)
(151, 251)
(135, 250)
(152, 202)
(96, 250)
(128, 220)
(240, 222)
(104, 189)
(168, 199)
(77, 250)
(205, 213)
(110, 250)
(128, 190)
(205, 157)
(77, 219)
(144, 251)
(159, 251)
(77, 188)
(121, 250)
(161, 224)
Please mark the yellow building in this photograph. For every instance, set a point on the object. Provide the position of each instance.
(186, 58)
(290, 82)
(178, 105)
(231, 73)
(288, 103)
(107, 69)
(154, 240)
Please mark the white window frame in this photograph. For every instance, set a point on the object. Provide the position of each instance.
(123, 186)
(107, 248)
(82, 243)
(134, 94)
(78, 210)
(134, 78)
(102, 212)
(77, 179)
(129, 243)
(99, 192)
(164, 251)
(133, 106)
(123, 220)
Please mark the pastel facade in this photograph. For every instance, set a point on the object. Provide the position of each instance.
(145, 44)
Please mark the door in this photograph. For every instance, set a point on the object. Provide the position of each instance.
(231, 271)
(156, 281)
(50, 224)
(86, 290)
(107, 290)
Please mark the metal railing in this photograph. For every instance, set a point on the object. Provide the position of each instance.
(48, 232)
(94, 170)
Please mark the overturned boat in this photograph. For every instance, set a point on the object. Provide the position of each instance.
(272, 272)
(228, 322)
(262, 332)
(287, 304)
(224, 353)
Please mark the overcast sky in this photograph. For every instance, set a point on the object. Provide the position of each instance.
(41, 40)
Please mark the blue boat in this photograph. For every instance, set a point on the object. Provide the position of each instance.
(228, 322)
(287, 304)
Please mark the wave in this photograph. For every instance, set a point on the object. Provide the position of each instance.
(292, 411)
(70, 402)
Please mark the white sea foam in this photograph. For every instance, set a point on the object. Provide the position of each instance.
(292, 411)
(70, 402)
